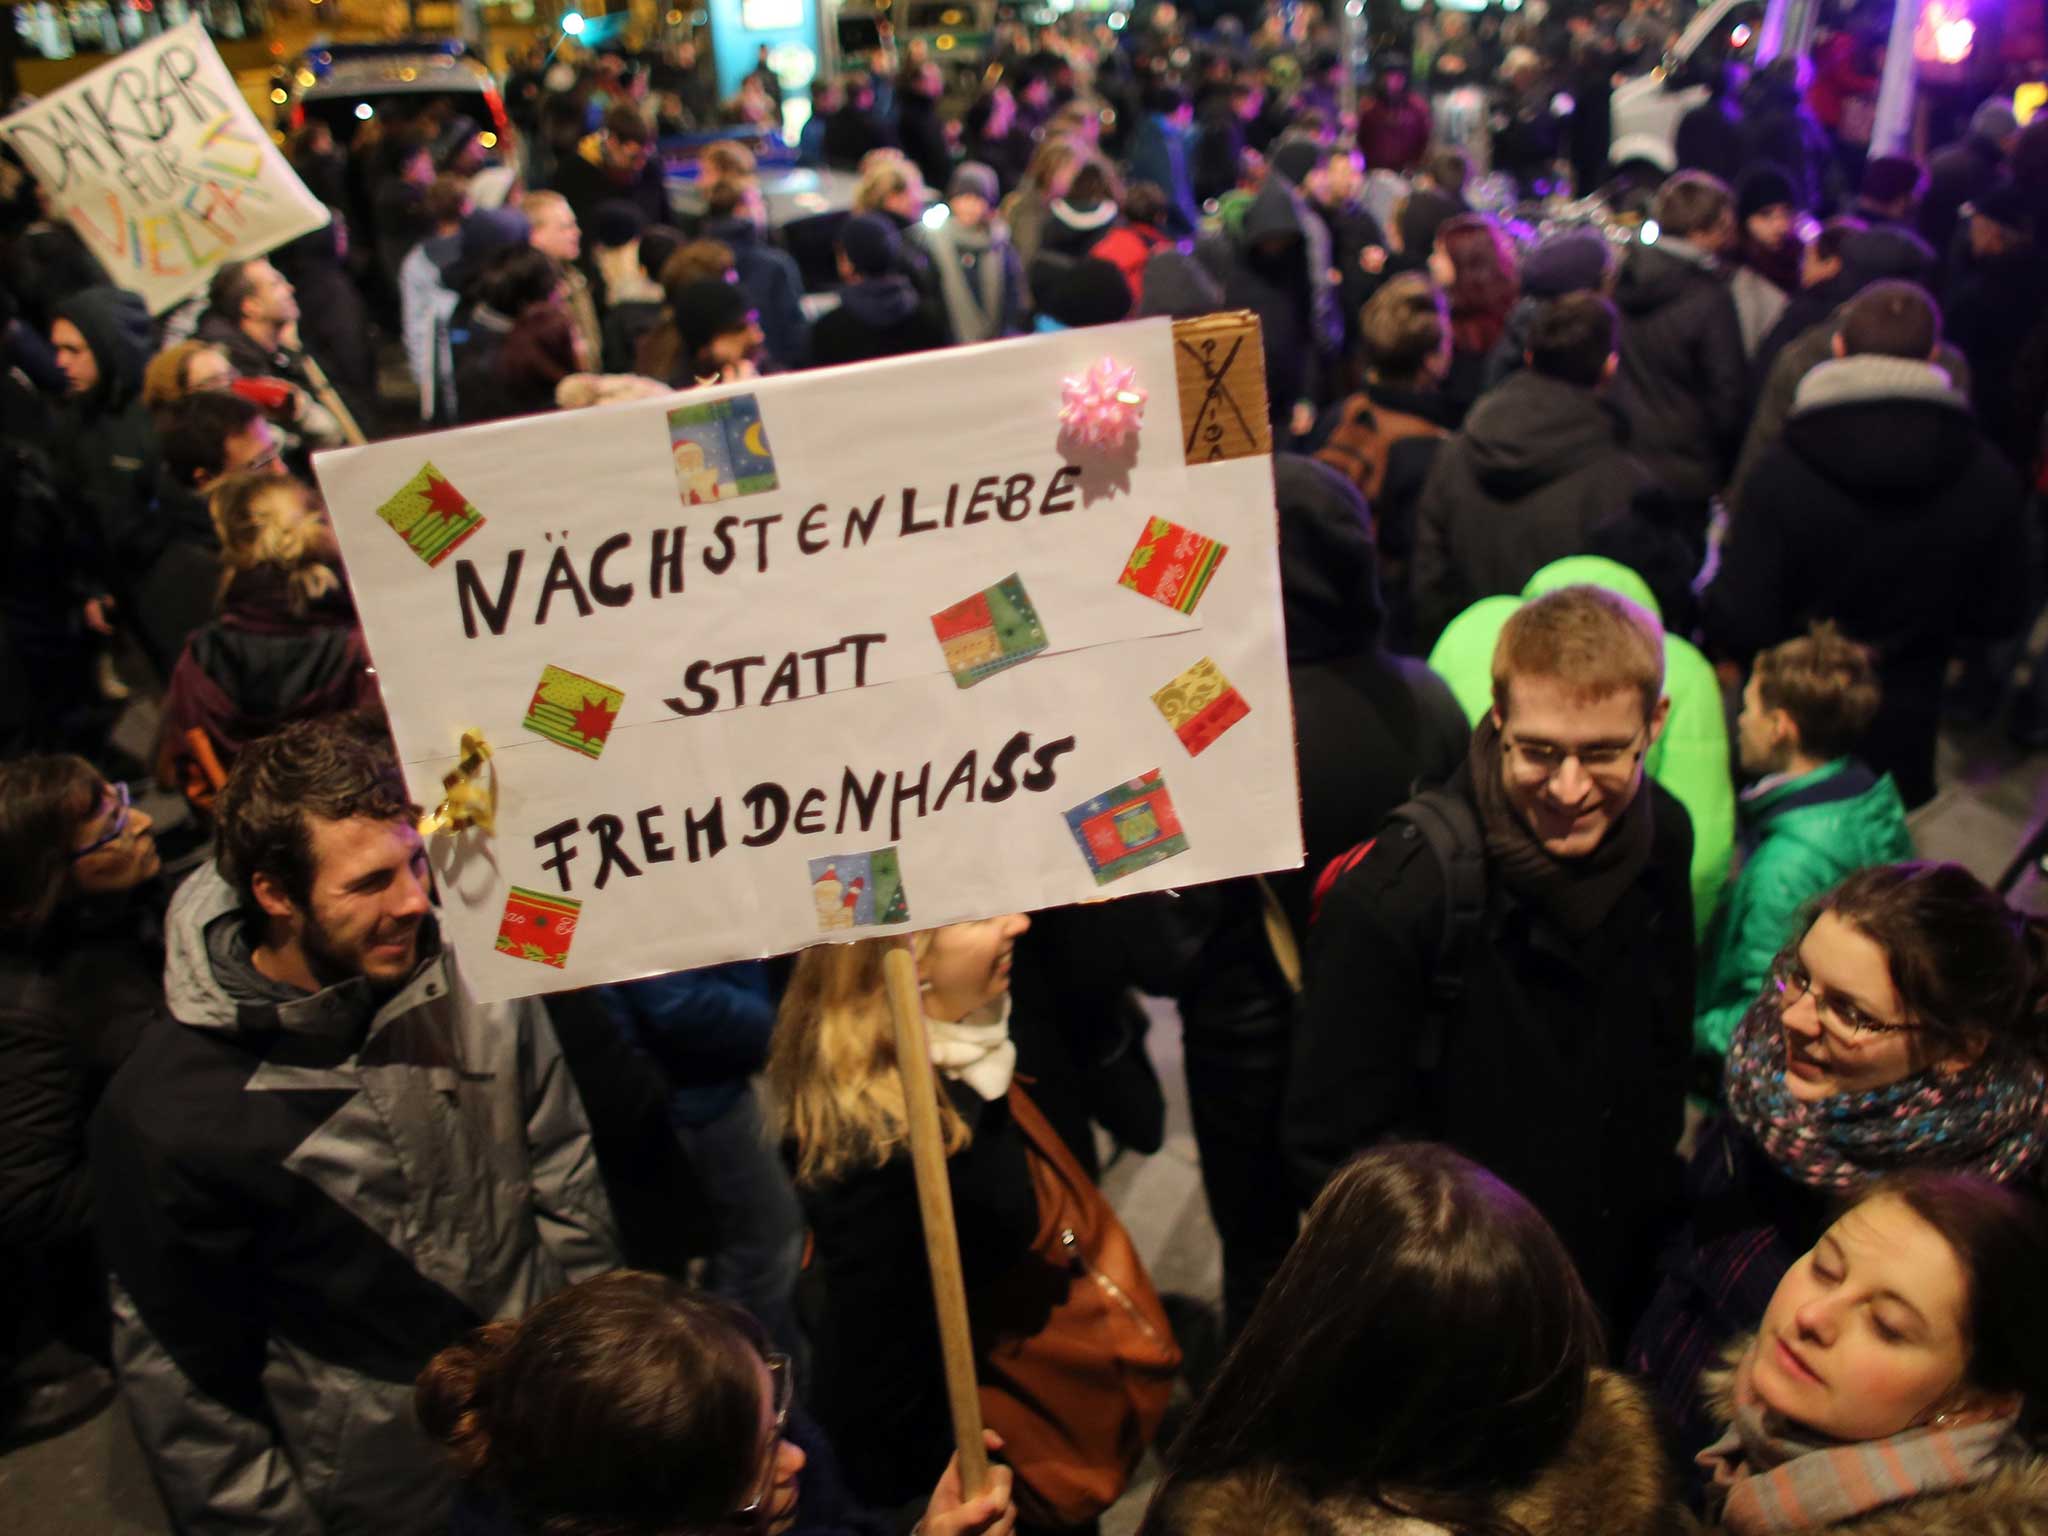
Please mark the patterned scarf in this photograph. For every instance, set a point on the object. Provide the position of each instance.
(1777, 1481)
(1986, 1119)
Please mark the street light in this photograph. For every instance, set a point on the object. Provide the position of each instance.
(572, 24)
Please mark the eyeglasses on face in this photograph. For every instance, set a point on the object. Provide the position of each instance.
(1838, 1016)
(118, 793)
(782, 1389)
(1542, 761)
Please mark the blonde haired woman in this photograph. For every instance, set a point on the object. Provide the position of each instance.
(880, 1387)
(284, 647)
(892, 188)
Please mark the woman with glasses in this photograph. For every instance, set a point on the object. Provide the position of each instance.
(1903, 1029)
(631, 1405)
(81, 967)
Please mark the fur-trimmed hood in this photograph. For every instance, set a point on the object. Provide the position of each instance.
(2011, 1502)
(1612, 1479)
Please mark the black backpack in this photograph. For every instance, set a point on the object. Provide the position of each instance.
(1446, 822)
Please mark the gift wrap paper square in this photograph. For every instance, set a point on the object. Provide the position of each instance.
(995, 628)
(431, 515)
(1172, 565)
(853, 890)
(1200, 705)
(1127, 829)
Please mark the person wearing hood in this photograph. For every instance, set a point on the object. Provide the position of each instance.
(1385, 438)
(620, 162)
(736, 216)
(1272, 256)
(975, 267)
(1886, 509)
(1569, 261)
(286, 645)
(285, 1262)
(1509, 968)
(1778, 129)
(1966, 170)
(1393, 122)
(1690, 758)
(1684, 380)
(880, 313)
(1768, 255)
(1840, 263)
(425, 301)
(106, 443)
(1541, 462)
(1815, 814)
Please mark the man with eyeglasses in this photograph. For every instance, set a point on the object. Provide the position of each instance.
(329, 1164)
(1530, 1003)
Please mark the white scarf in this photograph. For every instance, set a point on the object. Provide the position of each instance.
(976, 1050)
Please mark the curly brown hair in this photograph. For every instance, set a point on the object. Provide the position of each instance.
(334, 768)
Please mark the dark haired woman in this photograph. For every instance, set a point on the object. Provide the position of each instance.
(1426, 1360)
(81, 967)
(1474, 265)
(517, 341)
(1901, 1030)
(630, 1405)
(1898, 1381)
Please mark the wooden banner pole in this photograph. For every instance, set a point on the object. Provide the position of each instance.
(935, 1205)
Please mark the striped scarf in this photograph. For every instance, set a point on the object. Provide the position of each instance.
(1986, 1119)
(1776, 1481)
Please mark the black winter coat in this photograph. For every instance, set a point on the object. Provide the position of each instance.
(1538, 465)
(105, 452)
(1684, 381)
(1885, 509)
(1562, 1065)
(73, 1002)
(177, 577)
(880, 1386)
(1959, 174)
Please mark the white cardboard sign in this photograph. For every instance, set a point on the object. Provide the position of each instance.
(823, 656)
(158, 163)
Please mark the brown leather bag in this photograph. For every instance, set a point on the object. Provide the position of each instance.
(1077, 1357)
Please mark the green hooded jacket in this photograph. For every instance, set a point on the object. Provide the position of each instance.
(1690, 759)
(1801, 837)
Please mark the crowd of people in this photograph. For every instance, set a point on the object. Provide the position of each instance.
(1613, 1123)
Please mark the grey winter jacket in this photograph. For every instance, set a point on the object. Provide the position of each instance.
(304, 1197)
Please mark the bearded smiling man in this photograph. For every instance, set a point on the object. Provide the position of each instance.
(1531, 1003)
(330, 1164)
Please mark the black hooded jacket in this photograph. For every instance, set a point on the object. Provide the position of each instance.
(1538, 465)
(1885, 509)
(1684, 380)
(106, 442)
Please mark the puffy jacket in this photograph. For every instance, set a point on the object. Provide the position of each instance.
(1884, 509)
(1800, 837)
(1690, 759)
(1538, 465)
(1684, 380)
(304, 1197)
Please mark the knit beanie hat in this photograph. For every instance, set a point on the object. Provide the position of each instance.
(1090, 292)
(973, 179)
(1295, 158)
(616, 222)
(1570, 261)
(1887, 178)
(707, 309)
(871, 243)
(1761, 187)
(1994, 119)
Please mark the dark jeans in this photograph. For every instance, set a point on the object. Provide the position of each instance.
(1237, 1081)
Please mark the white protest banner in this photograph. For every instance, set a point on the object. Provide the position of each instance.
(157, 162)
(828, 655)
